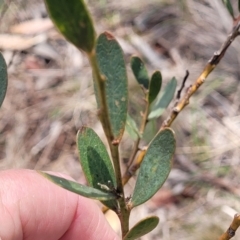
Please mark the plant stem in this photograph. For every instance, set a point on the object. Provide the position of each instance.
(99, 81)
(134, 167)
(124, 213)
(141, 131)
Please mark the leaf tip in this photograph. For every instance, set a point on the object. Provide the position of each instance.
(109, 36)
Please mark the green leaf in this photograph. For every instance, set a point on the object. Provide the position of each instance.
(111, 63)
(80, 189)
(73, 20)
(228, 5)
(150, 131)
(239, 5)
(141, 228)
(95, 161)
(140, 71)
(131, 128)
(3, 79)
(155, 86)
(155, 167)
(164, 99)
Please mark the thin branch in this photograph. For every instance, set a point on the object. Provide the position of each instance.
(183, 85)
(184, 101)
(232, 228)
(134, 167)
(103, 113)
(141, 131)
(216, 58)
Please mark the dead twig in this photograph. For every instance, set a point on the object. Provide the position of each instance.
(183, 85)
(232, 228)
(212, 63)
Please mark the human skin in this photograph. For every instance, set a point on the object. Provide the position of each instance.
(33, 208)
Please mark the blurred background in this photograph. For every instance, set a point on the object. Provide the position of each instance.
(50, 96)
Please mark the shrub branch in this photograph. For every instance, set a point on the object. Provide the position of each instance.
(212, 63)
(184, 101)
(141, 131)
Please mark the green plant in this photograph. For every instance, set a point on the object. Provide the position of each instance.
(106, 182)
(110, 83)
(103, 172)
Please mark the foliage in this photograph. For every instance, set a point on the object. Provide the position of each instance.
(155, 167)
(102, 171)
(111, 90)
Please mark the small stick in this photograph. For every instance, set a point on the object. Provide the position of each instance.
(232, 228)
(212, 63)
(183, 85)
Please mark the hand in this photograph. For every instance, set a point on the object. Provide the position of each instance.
(33, 208)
